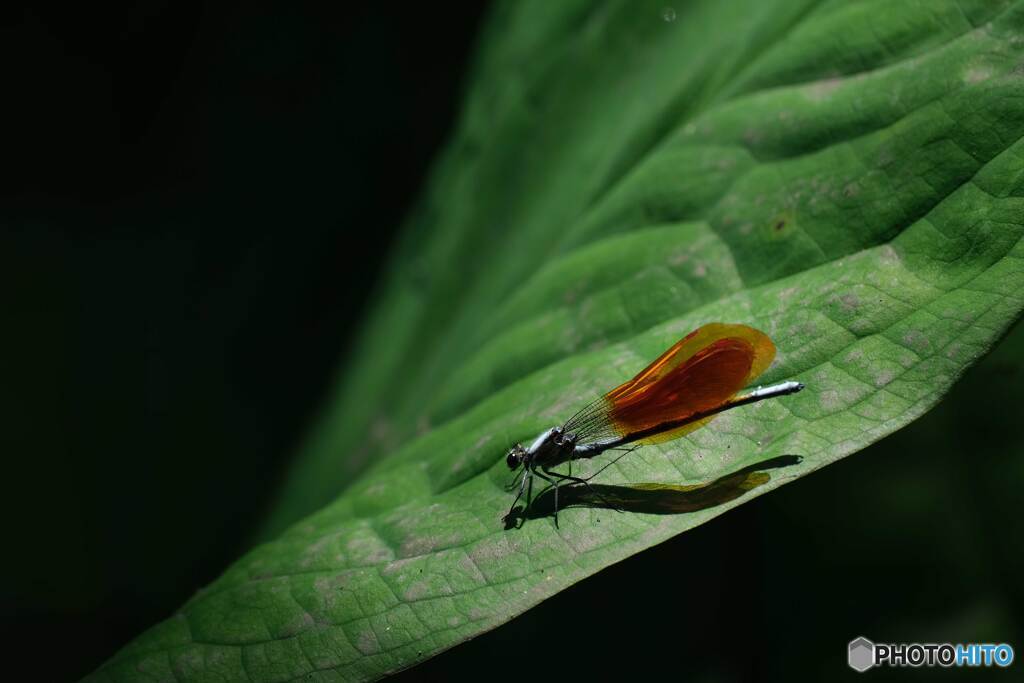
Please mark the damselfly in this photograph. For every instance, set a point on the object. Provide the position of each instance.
(699, 377)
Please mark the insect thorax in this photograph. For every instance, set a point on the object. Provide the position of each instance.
(555, 447)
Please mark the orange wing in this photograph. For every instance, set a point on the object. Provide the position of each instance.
(701, 371)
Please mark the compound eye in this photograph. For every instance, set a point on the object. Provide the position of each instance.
(514, 457)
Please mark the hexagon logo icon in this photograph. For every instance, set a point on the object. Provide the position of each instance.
(861, 654)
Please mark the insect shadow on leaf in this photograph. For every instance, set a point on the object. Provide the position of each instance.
(657, 499)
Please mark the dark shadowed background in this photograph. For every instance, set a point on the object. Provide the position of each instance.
(194, 204)
(196, 199)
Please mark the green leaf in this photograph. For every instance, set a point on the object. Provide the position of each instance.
(846, 176)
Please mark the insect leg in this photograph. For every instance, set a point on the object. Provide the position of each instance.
(563, 477)
(515, 480)
(625, 452)
(555, 485)
(519, 495)
(529, 491)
